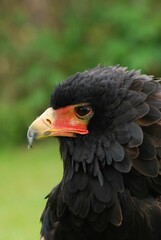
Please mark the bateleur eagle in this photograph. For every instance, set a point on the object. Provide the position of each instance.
(108, 122)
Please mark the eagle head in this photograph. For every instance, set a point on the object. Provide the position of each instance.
(106, 120)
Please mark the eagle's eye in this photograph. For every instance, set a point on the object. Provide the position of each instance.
(84, 111)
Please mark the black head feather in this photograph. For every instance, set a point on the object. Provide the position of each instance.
(104, 88)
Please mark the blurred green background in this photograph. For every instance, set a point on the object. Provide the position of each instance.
(42, 43)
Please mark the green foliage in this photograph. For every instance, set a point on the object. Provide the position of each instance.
(42, 44)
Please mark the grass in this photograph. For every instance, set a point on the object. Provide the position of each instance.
(26, 178)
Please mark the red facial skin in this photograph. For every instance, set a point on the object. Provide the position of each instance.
(66, 121)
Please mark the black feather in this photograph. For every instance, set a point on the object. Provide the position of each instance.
(149, 87)
(116, 214)
(147, 168)
(142, 109)
(116, 151)
(136, 135)
(154, 132)
(102, 193)
(151, 117)
(137, 85)
(124, 166)
(147, 149)
(97, 205)
(154, 101)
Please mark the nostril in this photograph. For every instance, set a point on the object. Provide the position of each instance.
(48, 121)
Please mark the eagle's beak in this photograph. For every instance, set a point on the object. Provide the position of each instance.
(60, 122)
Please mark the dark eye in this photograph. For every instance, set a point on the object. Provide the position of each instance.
(84, 111)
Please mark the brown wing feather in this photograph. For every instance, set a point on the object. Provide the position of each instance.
(146, 157)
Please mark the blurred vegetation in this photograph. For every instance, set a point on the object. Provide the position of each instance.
(25, 179)
(43, 42)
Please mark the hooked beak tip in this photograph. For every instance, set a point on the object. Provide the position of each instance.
(31, 136)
